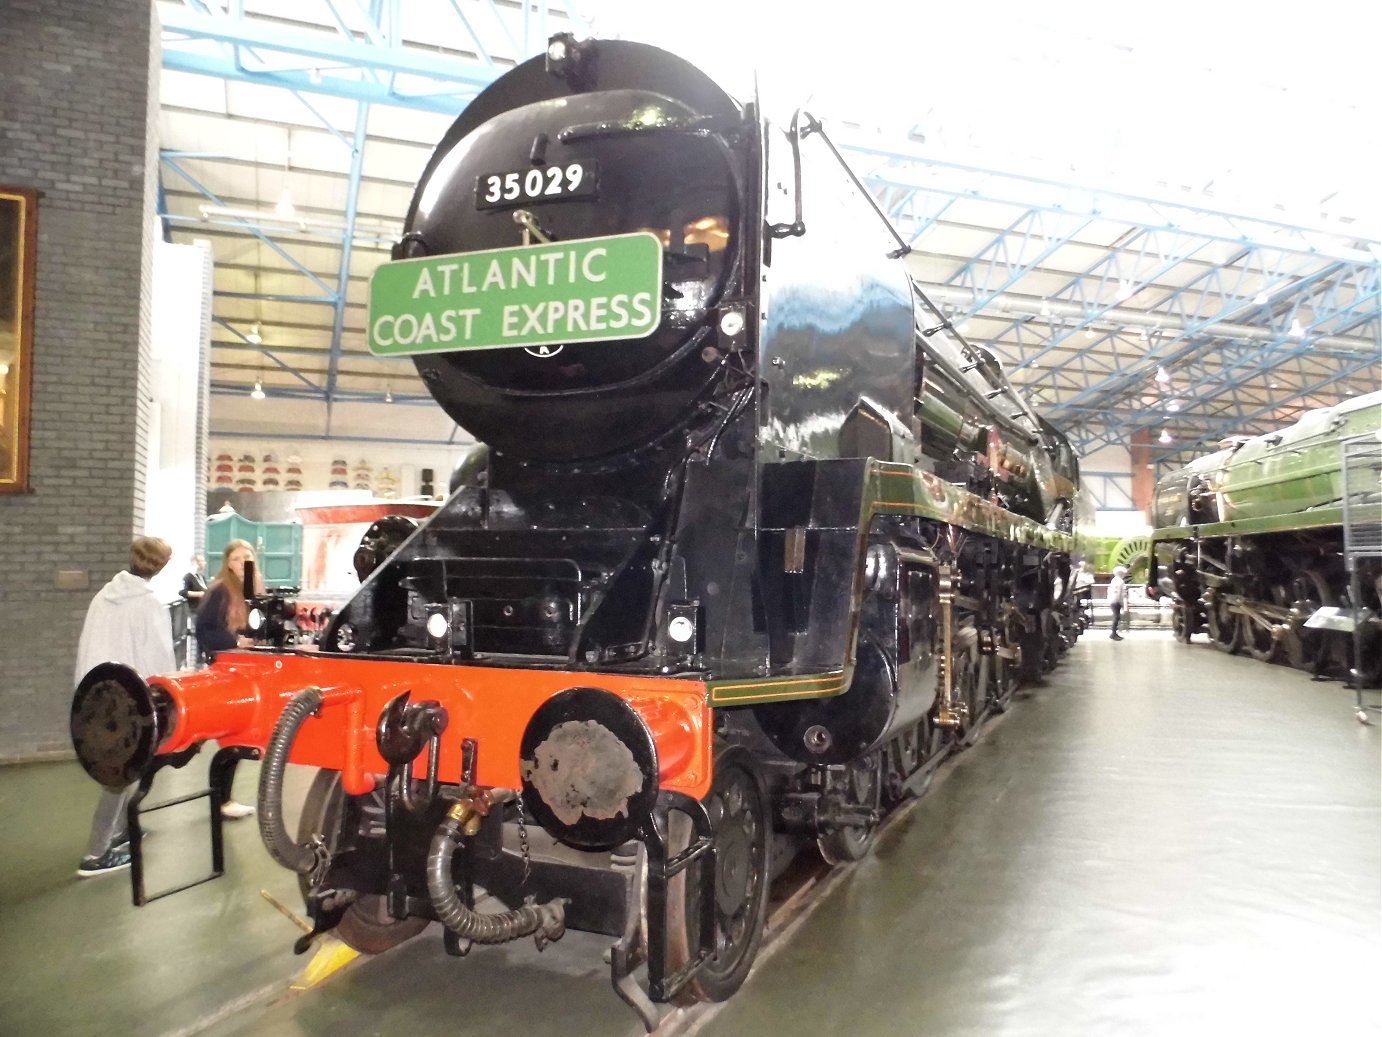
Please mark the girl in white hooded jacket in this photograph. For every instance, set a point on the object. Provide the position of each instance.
(125, 623)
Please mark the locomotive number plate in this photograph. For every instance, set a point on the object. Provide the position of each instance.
(536, 184)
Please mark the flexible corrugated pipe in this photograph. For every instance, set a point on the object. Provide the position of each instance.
(550, 917)
(281, 847)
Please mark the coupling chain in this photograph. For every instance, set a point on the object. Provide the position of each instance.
(523, 841)
(321, 860)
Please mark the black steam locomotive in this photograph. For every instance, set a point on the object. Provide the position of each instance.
(758, 542)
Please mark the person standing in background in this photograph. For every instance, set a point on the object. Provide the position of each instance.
(194, 583)
(1082, 581)
(1117, 598)
(125, 623)
(193, 590)
(221, 617)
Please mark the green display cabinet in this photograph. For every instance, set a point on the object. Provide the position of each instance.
(277, 546)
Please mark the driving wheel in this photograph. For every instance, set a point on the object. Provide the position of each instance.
(738, 811)
(861, 787)
(1180, 622)
(1307, 592)
(1224, 629)
(1257, 638)
(329, 812)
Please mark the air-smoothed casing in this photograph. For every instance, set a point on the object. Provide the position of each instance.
(674, 155)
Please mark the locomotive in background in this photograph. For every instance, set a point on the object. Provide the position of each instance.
(759, 541)
(1273, 544)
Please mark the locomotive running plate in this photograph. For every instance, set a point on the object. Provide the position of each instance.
(536, 184)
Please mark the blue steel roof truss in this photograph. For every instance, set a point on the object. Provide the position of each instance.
(1235, 308)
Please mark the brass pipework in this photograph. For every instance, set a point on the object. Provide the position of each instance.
(474, 805)
(947, 715)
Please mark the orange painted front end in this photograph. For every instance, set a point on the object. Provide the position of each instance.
(238, 700)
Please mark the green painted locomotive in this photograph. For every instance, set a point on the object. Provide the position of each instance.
(1273, 544)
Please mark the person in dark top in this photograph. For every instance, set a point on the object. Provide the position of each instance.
(223, 612)
(221, 617)
(194, 583)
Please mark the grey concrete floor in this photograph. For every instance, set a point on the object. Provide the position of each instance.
(1161, 841)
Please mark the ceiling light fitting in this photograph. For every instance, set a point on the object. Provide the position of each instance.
(285, 208)
(257, 393)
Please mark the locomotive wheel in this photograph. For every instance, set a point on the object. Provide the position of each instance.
(964, 689)
(1006, 673)
(1052, 644)
(863, 788)
(738, 810)
(1003, 678)
(366, 925)
(904, 756)
(1224, 629)
(1033, 655)
(1257, 639)
(1370, 668)
(1303, 647)
(1360, 659)
(1180, 622)
(1308, 590)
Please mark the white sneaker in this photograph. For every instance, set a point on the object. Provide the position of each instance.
(233, 811)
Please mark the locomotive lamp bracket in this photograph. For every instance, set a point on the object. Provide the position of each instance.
(730, 328)
(685, 629)
(566, 58)
(273, 617)
(449, 627)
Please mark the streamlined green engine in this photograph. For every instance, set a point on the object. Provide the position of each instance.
(1273, 543)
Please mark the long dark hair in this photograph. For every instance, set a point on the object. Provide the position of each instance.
(237, 613)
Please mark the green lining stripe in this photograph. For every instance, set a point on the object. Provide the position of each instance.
(936, 499)
(773, 689)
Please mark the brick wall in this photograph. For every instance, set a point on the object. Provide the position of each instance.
(78, 122)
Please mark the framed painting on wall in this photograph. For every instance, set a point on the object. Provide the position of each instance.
(18, 243)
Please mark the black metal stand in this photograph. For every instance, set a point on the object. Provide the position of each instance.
(627, 955)
(217, 792)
